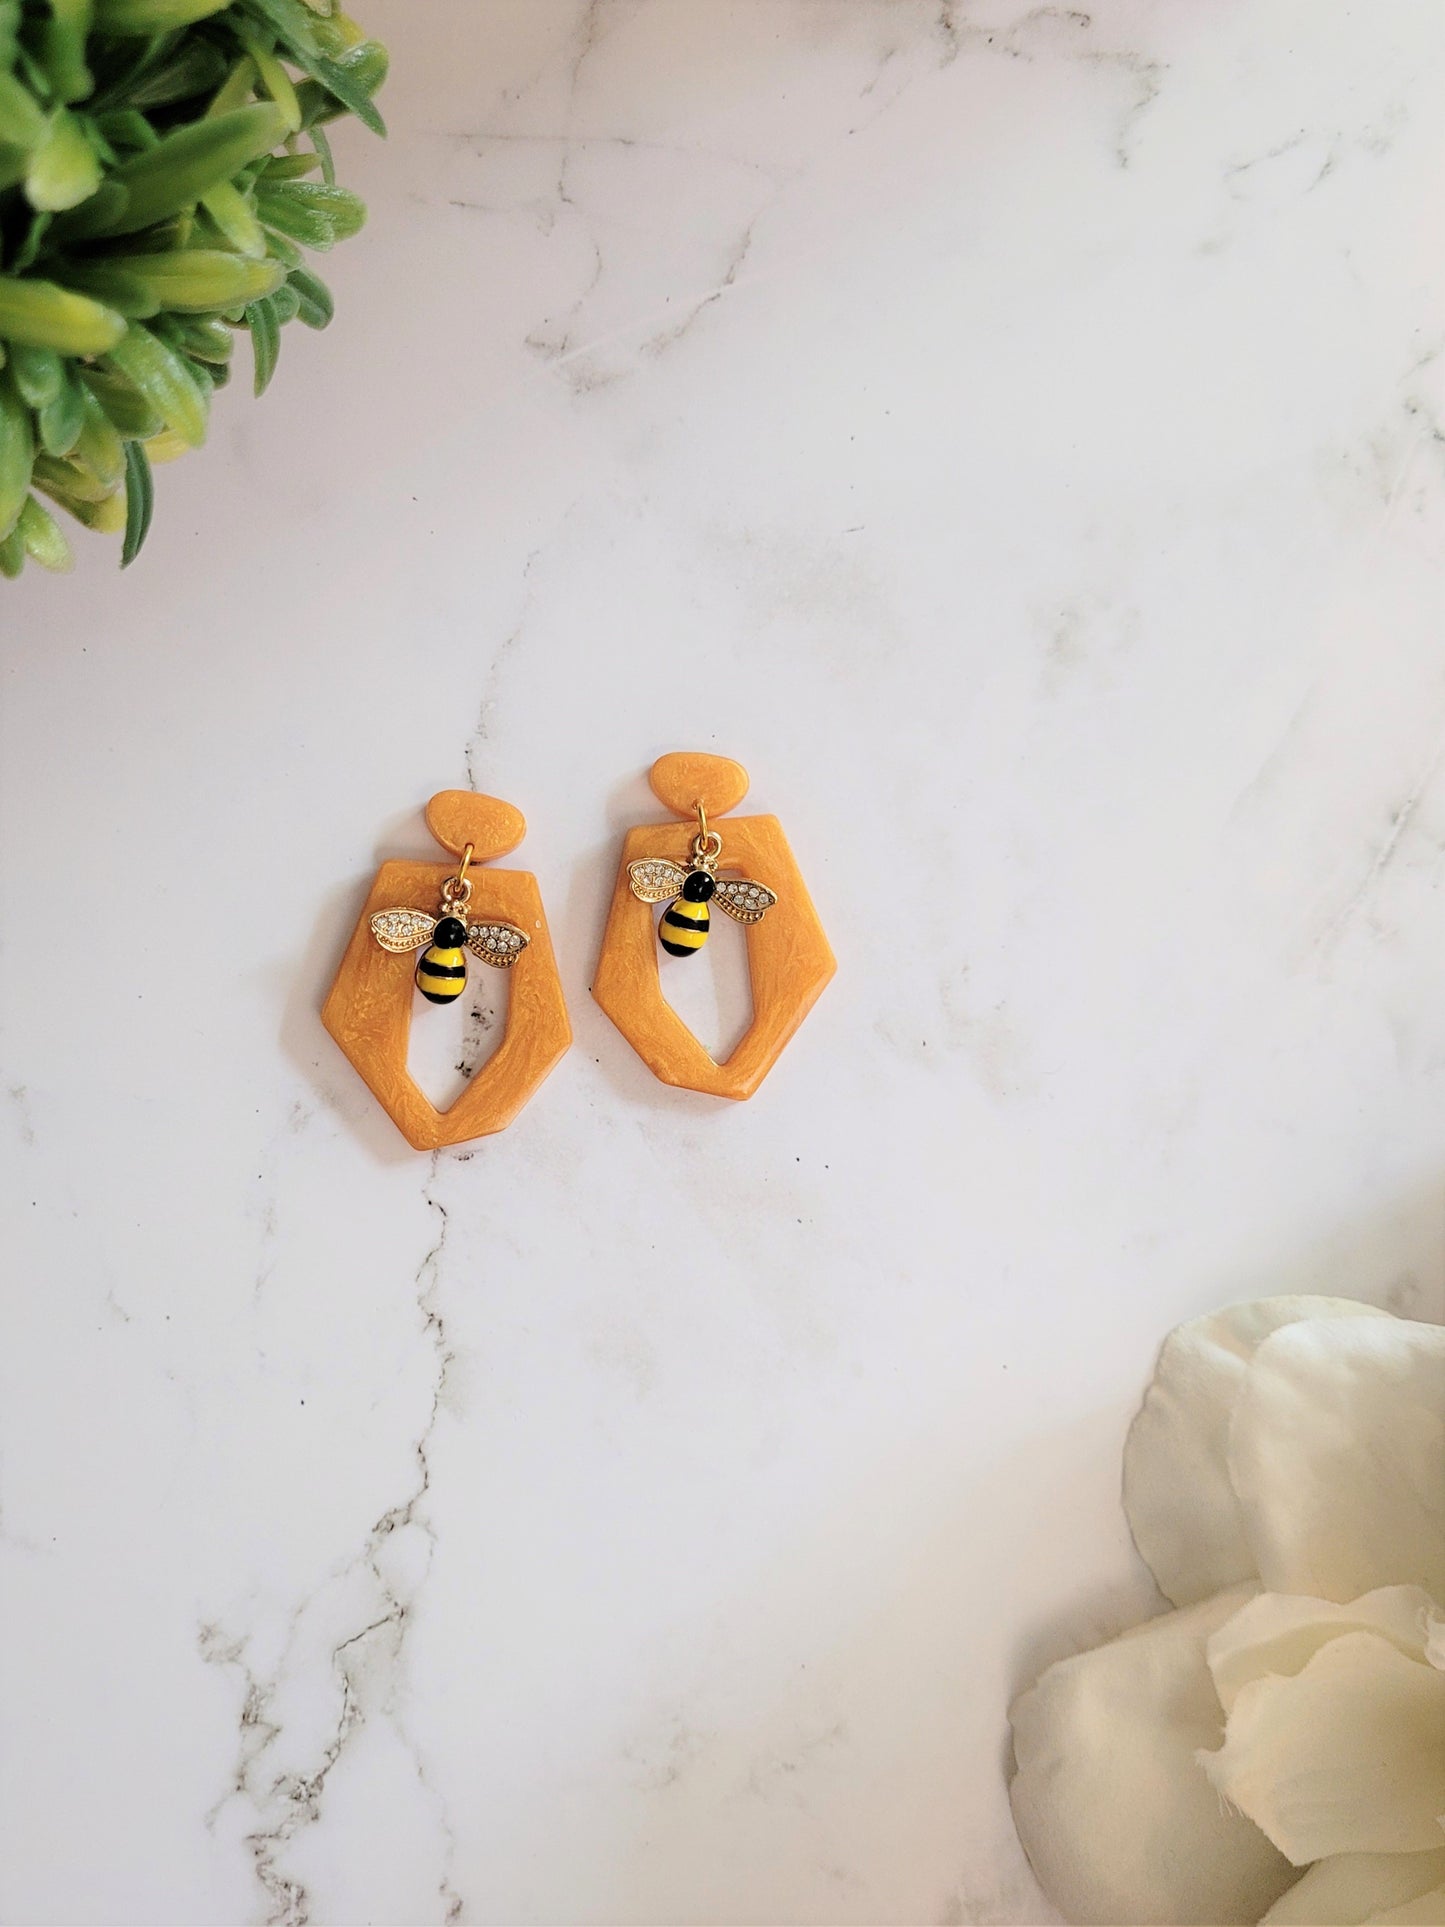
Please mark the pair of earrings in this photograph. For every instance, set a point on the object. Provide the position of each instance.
(445, 911)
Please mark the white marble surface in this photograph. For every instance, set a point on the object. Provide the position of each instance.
(1015, 433)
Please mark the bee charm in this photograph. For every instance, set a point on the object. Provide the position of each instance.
(686, 922)
(441, 971)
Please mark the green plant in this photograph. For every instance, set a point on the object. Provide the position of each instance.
(156, 191)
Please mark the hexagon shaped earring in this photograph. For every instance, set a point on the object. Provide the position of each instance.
(689, 866)
(442, 910)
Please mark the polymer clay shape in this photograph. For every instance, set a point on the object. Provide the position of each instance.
(789, 958)
(368, 1010)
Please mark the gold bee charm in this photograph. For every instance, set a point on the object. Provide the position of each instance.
(685, 925)
(441, 971)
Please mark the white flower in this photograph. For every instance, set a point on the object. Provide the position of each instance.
(1274, 1750)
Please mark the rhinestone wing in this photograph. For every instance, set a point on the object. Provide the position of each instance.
(499, 944)
(654, 879)
(402, 929)
(742, 899)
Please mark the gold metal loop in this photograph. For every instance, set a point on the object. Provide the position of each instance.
(458, 889)
(707, 844)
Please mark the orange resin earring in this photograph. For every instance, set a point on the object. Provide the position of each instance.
(684, 865)
(443, 910)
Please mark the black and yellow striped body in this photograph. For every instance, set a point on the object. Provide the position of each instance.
(441, 972)
(685, 921)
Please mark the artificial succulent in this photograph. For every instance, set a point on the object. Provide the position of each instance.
(163, 164)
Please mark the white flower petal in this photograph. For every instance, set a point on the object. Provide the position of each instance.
(1337, 1454)
(1350, 1889)
(1181, 1505)
(1109, 1801)
(1281, 1633)
(1348, 1756)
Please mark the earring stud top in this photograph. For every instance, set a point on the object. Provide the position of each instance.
(689, 781)
(462, 820)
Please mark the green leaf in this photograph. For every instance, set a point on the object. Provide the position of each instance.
(323, 151)
(366, 65)
(151, 16)
(13, 163)
(62, 420)
(12, 554)
(27, 68)
(199, 280)
(99, 449)
(280, 249)
(17, 455)
(183, 166)
(206, 339)
(235, 219)
(265, 342)
(273, 76)
(139, 502)
(9, 31)
(125, 406)
(107, 204)
(42, 538)
(347, 79)
(45, 316)
(68, 478)
(39, 374)
(26, 255)
(194, 66)
(126, 293)
(344, 210)
(293, 24)
(174, 232)
(236, 89)
(125, 128)
(202, 373)
(153, 366)
(22, 120)
(62, 48)
(279, 209)
(289, 167)
(64, 170)
(105, 513)
(335, 31)
(314, 305)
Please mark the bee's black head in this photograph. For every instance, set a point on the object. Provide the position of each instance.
(699, 886)
(450, 933)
